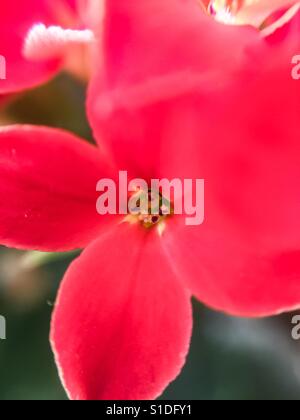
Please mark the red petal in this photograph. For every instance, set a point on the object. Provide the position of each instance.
(15, 22)
(184, 132)
(245, 259)
(122, 323)
(255, 13)
(284, 33)
(48, 189)
(241, 137)
(241, 134)
(230, 274)
(193, 55)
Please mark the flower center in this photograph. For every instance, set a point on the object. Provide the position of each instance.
(149, 208)
(224, 11)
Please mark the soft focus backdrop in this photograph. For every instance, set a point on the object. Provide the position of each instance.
(230, 358)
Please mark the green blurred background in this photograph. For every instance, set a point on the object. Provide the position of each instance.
(230, 358)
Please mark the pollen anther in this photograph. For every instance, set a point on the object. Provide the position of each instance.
(151, 208)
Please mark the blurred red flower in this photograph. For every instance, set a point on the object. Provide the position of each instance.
(35, 40)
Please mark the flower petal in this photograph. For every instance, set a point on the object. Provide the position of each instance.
(245, 258)
(231, 274)
(240, 134)
(197, 133)
(193, 55)
(91, 13)
(257, 11)
(284, 33)
(122, 322)
(48, 189)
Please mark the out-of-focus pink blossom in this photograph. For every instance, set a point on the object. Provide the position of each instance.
(39, 37)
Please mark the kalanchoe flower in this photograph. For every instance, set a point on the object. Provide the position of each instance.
(181, 96)
(122, 323)
(36, 35)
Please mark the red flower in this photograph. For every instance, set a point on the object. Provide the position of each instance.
(181, 96)
(222, 96)
(35, 40)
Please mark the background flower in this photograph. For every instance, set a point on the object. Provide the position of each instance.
(36, 36)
